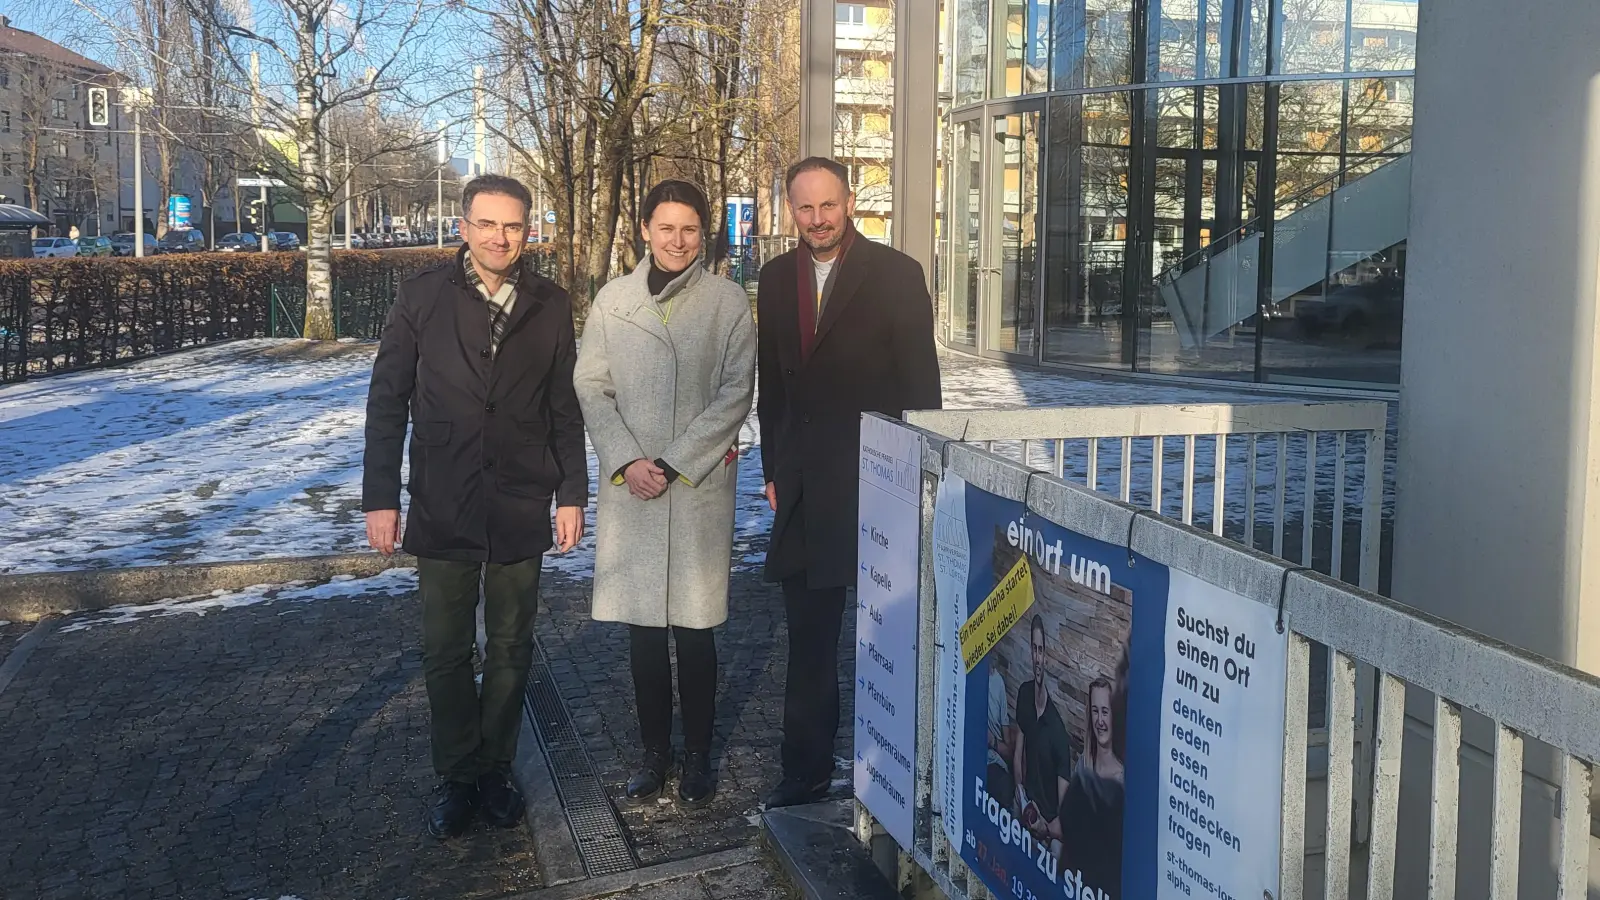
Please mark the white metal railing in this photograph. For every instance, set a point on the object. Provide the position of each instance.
(1450, 670)
(1314, 458)
(1288, 478)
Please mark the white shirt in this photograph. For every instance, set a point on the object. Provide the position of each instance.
(820, 271)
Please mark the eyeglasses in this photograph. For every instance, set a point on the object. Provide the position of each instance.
(512, 230)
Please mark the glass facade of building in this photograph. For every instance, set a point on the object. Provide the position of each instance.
(1213, 188)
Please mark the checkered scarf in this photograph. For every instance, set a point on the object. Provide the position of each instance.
(497, 313)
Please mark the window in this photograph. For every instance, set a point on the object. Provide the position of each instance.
(74, 92)
(849, 121)
(5, 122)
(5, 78)
(60, 188)
(61, 148)
(7, 168)
(60, 108)
(851, 66)
(850, 14)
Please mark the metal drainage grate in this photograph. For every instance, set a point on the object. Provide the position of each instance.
(603, 845)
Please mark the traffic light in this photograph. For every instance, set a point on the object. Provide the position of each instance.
(99, 107)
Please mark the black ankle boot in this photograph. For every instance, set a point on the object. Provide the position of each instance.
(647, 783)
(695, 787)
(454, 805)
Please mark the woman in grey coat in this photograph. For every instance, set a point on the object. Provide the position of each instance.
(665, 375)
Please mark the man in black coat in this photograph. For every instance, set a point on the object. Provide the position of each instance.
(478, 355)
(845, 326)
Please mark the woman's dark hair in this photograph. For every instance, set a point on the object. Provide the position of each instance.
(674, 191)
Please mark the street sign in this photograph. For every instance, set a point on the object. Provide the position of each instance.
(99, 107)
(740, 220)
(550, 216)
(257, 181)
(179, 208)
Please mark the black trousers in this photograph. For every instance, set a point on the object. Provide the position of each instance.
(475, 729)
(652, 685)
(811, 693)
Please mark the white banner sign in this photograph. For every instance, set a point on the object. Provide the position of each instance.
(951, 566)
(1221, 739)
(886, 623)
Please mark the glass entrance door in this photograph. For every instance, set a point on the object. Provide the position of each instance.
(965, 224)
(1013, 238)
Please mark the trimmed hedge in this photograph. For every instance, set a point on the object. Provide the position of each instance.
(63, 314)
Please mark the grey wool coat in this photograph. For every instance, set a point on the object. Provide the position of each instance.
(676, 390)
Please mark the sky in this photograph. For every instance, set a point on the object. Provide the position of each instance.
(446, 49)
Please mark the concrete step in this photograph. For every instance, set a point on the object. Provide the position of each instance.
(818, 850)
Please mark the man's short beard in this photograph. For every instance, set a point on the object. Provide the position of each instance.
(838, 238)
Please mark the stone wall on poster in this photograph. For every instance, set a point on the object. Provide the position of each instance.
(1085, 636)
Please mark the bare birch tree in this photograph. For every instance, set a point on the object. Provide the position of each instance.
(303, 63)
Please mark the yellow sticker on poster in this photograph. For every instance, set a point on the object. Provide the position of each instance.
(1004, 607)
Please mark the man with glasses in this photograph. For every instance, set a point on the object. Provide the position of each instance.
(478, 355)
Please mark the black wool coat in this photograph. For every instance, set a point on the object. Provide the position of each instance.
(494, 437)
(873, 351)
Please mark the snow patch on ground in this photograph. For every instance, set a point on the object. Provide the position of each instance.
(389, 583)
(228, 453)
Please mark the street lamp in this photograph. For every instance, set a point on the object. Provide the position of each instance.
(438, 216)
(135, 99)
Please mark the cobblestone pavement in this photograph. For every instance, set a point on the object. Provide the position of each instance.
(10, 634)
(273, 743)
(753, 881)
(590, 663)
(270, 750)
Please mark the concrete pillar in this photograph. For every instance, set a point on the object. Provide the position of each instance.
(1498, 518)
(1499, 456)
(916, 124)
(816, 78)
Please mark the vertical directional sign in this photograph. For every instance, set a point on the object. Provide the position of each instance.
(886, 623)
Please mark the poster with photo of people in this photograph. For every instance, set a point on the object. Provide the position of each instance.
(1117, 728)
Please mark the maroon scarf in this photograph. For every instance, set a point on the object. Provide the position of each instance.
(807, 296)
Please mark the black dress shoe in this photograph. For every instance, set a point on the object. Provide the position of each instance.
(453, 806)
(695, 787)
(647, 783)
(499, 800)
(798, 791)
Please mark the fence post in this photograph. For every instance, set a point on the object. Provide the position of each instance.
(24, 329)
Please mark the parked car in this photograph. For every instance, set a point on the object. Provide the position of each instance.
(1368, 312)
(94, 246)
(54, 248)
(122, 244)
(286, 240)
(357, 242)
(182, 240)
(239, 242)
(388, 239)
(402, 238)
